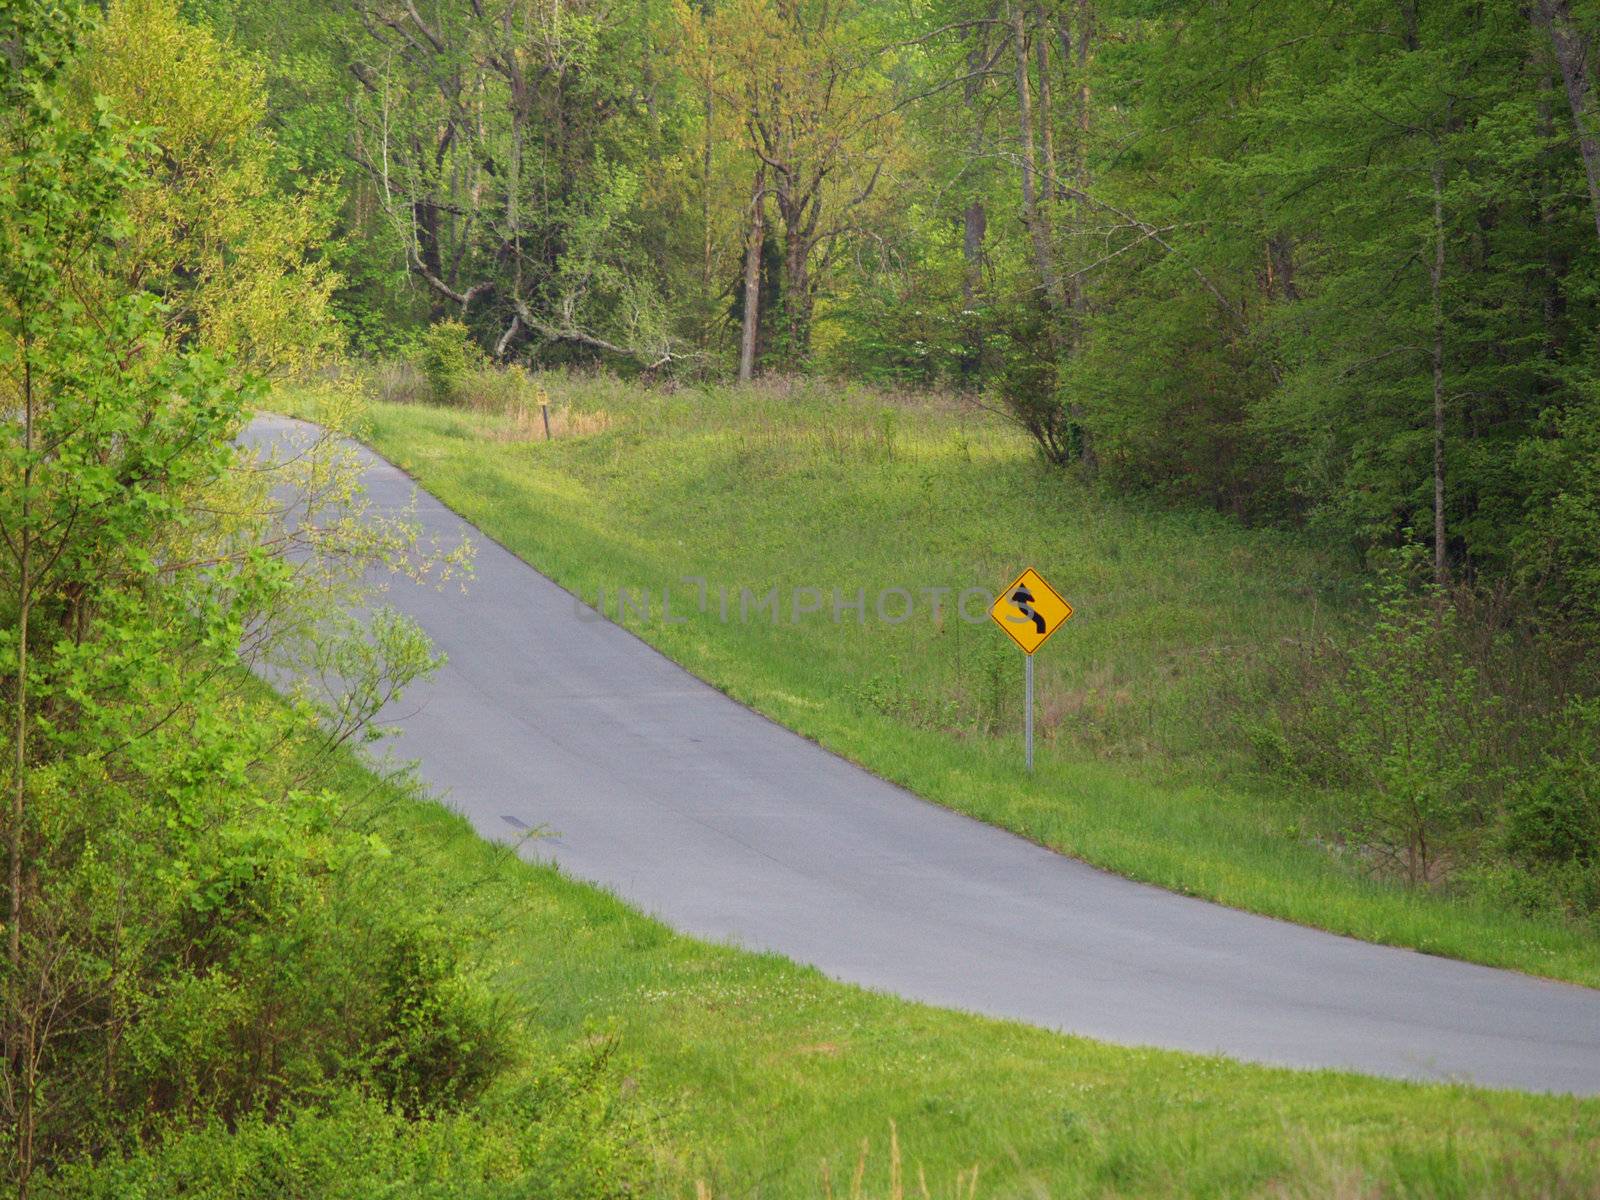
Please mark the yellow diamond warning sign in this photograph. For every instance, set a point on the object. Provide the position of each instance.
(1030, 610)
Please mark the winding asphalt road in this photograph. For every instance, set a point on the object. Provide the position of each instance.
(727, 826)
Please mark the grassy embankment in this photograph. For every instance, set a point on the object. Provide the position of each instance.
(1138, 760)
(759, 1070)
(739, 1075)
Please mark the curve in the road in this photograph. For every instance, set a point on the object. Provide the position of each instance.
(728, 826)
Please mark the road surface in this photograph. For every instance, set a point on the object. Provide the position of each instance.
(727, 826)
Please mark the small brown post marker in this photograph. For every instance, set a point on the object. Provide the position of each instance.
(544, 411)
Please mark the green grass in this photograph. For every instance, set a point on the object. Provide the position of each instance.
(821, 488)
(759, 1070)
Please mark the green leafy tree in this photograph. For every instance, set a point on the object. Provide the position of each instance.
(166, 836)
(504, 145)
(236, 260)
(105, 440)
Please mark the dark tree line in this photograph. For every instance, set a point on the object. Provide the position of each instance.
(1329, 265)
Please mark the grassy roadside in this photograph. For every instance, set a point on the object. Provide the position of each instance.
(761, 490)
(759, 1071)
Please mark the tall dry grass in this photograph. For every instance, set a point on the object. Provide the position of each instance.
(963, 1187)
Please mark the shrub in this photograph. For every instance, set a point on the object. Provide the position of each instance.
(1394, 726)
(439, 1039)
(1030, 389)
(1548, 836)
(1409, 715)
(446, 355)
(1553, 813)
(1447, 741)
(274, 956)
(1548, 821)
(565, 1134)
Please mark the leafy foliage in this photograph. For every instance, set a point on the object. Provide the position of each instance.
(235, 259)
(561, 1136)
(1409, 724)
(201, 930)
(445, 356)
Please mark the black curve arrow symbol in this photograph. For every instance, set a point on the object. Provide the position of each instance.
(1022, 598)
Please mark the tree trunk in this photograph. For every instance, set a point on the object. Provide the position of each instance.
(1572, 51)
(426, 217)
(754, 243)
(1062, 24)
(705, 195)
(1280, 262)
(1555, 267)
(1047, 121)
(1033, 217)
(1080, 143)
(1441, 572)
(707, 145)
(520, 106)
(975, 223)
(797, 292)
(1080, 179)
(18, 1030)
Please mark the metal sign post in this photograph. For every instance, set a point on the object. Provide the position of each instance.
(1028, 703)
(1029, 611)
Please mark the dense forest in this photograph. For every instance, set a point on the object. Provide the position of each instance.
(1328, 268)
(1324, 264)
